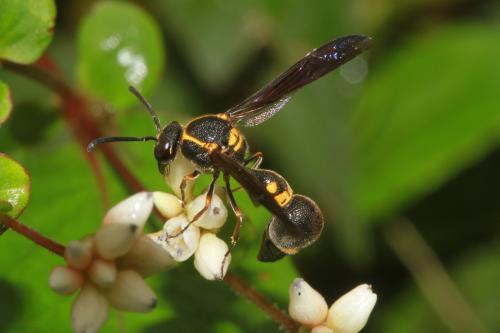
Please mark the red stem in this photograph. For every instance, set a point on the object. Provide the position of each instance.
(272, 310)
(33, 235)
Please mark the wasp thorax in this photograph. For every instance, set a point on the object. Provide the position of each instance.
(166, 146)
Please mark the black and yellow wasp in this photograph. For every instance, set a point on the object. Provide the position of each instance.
(215, 145)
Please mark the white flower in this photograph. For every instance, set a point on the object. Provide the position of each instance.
(350, 312)
(103, 266)
(209, 257)
(182, 239)
(181, 247)
(213, 218)
(168, 204)
(176, 171)
(65, 280)
(321, 329)
(131, 293)
(306, 306)
(133, 210)
(89, 310)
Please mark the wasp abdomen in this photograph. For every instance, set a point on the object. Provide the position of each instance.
(275, 185)
(302, 227)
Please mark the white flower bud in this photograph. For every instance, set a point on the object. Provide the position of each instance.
(321, 329)
(133, 210)
(114, 240)
(146, 257)
(213, 218)
(64, 280)
(182, 247)
(306, 306)
(78, 254)
(350, 312)
(209, 257)
(176, 171)
(130, 293)
(102, 272)
(168, 204)
(89, 311)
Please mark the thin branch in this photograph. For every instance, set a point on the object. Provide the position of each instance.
(432, 278)
(271, 309)
(33, 235)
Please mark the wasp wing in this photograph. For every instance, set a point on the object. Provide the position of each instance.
(266, 102)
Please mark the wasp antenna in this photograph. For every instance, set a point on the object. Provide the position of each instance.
(148, 106)
(107, 139)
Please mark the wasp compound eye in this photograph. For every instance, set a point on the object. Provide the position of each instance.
(302, 227)
(166, 147)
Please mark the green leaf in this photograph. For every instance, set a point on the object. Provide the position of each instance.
(14, 187)
(5, 102)
(119, 45)
(26, 28)
(429, 110)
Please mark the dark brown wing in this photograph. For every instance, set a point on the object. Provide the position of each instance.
(266, 102)
(250, 183)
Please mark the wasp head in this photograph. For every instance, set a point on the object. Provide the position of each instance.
(166, 146)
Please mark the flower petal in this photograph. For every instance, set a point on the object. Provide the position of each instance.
(350, 312)
(114, 240)
(146, 257)
(213, 218)
(177, 169)
(102, 272)
(182, 247)
(89, 311)
(133, 210)
(306, 306)
(168, 204)
(131, 293)
(209, 257)
(321, 329)
(64, 280)
(78, 254)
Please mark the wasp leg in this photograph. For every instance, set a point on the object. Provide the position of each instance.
(257, 157)
(208, 202)
(192, 176)
(239, 216)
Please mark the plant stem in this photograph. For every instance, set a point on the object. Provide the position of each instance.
(85, 128)
(33, 235)
(271, 309)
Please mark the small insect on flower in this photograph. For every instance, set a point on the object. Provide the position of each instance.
(214, 144)
(109, 267)
(348, 314)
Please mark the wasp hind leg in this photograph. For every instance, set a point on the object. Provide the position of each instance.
(257, 157)
(239, 220)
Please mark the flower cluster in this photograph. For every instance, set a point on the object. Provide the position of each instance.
(109, 267)
(181, 238)
(348, 314)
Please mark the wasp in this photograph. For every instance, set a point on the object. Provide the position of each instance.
(215, 145)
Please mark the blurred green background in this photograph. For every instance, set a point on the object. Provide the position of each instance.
(399, 148)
